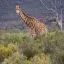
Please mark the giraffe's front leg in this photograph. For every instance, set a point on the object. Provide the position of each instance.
(33, 33)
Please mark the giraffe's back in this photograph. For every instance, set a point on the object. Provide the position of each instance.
(39, 27)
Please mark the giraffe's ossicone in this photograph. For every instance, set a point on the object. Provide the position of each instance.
(34, 24)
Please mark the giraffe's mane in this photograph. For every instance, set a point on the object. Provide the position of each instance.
(25, 13)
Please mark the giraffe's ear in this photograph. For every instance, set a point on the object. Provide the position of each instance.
(17, 6)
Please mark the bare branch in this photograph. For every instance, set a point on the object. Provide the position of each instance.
(51, 9)
(61, 15)
(54, 5)
(44, 5)
(59, 18)
(60, 2)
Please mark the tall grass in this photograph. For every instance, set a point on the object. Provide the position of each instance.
(51, 46)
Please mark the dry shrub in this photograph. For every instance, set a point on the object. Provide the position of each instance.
(7, 50)
(16, 58)
(41, 59)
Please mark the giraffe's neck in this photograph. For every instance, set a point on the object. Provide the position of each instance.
(27, 19)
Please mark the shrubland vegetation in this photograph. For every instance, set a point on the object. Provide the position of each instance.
(21, 48)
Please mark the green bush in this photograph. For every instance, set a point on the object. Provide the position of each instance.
(16, 58)
(30, 47)
(12, 37)
(52, 44)
(41, 59)
(7, 50)
(55, 47)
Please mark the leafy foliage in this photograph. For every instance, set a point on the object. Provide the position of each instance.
(24, 49)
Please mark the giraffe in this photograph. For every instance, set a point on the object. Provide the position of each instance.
(36, 27)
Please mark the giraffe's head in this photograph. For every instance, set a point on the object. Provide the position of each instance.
(17, 9)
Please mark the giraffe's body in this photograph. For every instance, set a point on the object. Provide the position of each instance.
(34, 24)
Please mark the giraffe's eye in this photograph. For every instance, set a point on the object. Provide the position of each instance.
(17, 6)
